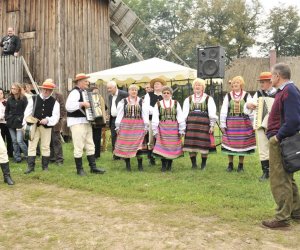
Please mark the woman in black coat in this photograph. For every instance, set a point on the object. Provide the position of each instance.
(14, 114)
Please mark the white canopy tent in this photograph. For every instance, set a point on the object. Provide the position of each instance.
(144, 71)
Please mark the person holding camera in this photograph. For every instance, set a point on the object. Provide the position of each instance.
(11, 43)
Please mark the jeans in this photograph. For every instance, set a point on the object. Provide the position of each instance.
(18, 143)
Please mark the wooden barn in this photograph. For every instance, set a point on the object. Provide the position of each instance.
(60, 37)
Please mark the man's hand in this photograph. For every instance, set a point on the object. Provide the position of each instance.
(85, 104)
(251, 106)
(16, 53)
(44, 121)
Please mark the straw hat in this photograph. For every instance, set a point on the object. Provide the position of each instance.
(47, 84)
(265, 76)
(162, 81)
(80, 76)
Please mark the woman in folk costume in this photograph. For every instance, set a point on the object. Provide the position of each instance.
(168, 126)
(131, 125)
(199, 111)
(151, 98)
(238, 134)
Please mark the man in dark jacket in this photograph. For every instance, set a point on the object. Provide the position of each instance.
(284, 121)
(115, 95)
(11, 43)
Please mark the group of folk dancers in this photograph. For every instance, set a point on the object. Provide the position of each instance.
(155, 123)
(158, 124)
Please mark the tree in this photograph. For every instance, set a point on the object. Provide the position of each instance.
(283, 25)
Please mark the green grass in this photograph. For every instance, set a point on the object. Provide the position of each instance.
(213, 192)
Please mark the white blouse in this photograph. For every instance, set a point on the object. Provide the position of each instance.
(225, 105)
(179, 116)
(120, 113)
(212, 109)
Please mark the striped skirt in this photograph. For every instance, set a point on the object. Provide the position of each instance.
(240, 136)
(130, 138)
(197, 138)
(168, 142)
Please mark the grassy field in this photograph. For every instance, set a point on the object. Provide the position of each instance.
(213, 192)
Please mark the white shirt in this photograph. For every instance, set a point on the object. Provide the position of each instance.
(147, 103)
(73, 104)
(179, 116)
(52, 120)
(212, 109)
(2, 113)
(113, 110)
(120, 108)
(225, 105)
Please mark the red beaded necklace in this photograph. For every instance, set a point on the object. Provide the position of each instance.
(165, 103)
(195, 97)
(237, 97)
(135, 100)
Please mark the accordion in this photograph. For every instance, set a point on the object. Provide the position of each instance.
(263, 108)
(94, 111)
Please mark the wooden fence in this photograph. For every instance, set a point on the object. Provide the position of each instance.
(11, 70)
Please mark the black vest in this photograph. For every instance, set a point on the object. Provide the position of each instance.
(262, 93)
(77, 113)
(43, 108)
(153, 100)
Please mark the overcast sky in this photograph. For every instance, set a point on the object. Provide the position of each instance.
(267, 5)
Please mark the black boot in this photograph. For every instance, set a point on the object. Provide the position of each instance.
(169, 165)
(194, 162)
(92, 164)
(79, 167)
(163, 165)
(45, 162)
(30, 164)
(230, 167)
(6, 173)
(140, 164)
(203, 163)
(128, 166)
(265, 169)
(240, 168)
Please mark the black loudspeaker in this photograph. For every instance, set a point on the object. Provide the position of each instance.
(211, 62)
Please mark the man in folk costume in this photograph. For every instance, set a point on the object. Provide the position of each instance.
(45, 109)
(81, 129)
(267, 92)
(199, 111)
(150, 99)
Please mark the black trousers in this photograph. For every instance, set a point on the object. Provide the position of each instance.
(6, 137)
(56, 151)
(113, 133)
(97, 133)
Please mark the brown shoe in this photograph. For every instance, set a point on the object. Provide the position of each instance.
(274, 224)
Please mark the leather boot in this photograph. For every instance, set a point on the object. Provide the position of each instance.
(169, 165)
(79, 167)
(30, 164)
(6, 173)
(92, 164)
(163, 165)
(230, 167)
(140, 164)
(194, 162)
(203, 163)
(240, 168)
(128, 165)
(45, 162)
(265, 169)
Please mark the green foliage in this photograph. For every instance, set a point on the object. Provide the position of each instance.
(283, 24)
(213, 192)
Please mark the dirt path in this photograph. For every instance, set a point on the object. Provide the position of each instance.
(47, 217)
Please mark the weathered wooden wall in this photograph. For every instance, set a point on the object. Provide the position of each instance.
(250, 68)
(60, 37)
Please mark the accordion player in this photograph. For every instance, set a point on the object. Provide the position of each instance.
(263, 108)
